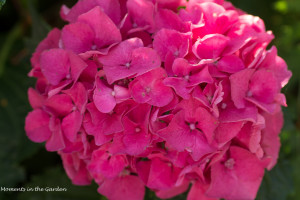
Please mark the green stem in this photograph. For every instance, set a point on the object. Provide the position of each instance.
(11, 38)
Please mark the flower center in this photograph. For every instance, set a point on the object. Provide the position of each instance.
(113, 93)
(137, 129)
(192, 126)
(94, 47)
(229, 163)
(187, 77)
(176, 53)
(224, 105)
(127, 65)
(147, 89)
(249, 94)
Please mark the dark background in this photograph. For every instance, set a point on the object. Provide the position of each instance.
(24, 23)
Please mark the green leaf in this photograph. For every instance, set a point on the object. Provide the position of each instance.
(56, 177)
(2, 2)
(14, 145)
(39, 29)
(277, 183)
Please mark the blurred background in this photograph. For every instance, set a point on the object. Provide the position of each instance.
(24, 23)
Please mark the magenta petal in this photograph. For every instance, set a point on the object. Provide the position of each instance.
(129, 58)
(226, 131)
(77, 66)
(71, 125)
(232, 114)
(75, 169)
(36, 100)
(121, 93)
(230, 64)
(99, 21)
(231, 174)
(110, 7)
(136, 143)
(59, 105)
(171, 41)
(104, 97)
(148, 88)
(206, 123)
(198, 192)
(181, 138)
(174, 191)
(162, 175)
(179, 85)
(210, 46)
(77, 37)
(141, 12)
(239, 86)
(37, 126)
(78, 95)
(108, 165)
(56, 141)
(264, 86)
(50, 42)
(201, 77)
(211, 11)
(279, 67)
(166, 18)
(123, 187)
(95, 130)
(55, 69)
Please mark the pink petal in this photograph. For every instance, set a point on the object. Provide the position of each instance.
(162, 175)
(71, 125)
(77, 66)
(123, 187)
(141, 12)
(232, 114)
(54, 65)
(36, 100)
(166, 18)
(149, 88)
(78, 95)
(198, 192)
(99, 21)
(277, 65)
(239, 86)
(170, 41)
(76, 172)
(230, 181)
(37, 126)
(210, 46)
(59, 105)
(77, 37)
(264, 86)
(110, 166)
(174, 191)
(56, 141)
(230, 64)
(130, 61)
(104, 97)
(110, 7)
(227, 131)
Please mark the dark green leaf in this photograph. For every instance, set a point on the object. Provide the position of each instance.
(39, 28)
(2, 2)
(277, 183)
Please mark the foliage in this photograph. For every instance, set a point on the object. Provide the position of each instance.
(26, 164)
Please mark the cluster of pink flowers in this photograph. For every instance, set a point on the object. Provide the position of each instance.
(164, 94)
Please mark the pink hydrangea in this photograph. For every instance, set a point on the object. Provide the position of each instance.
(164, 94)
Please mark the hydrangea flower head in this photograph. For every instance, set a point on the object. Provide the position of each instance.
(168, 95)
